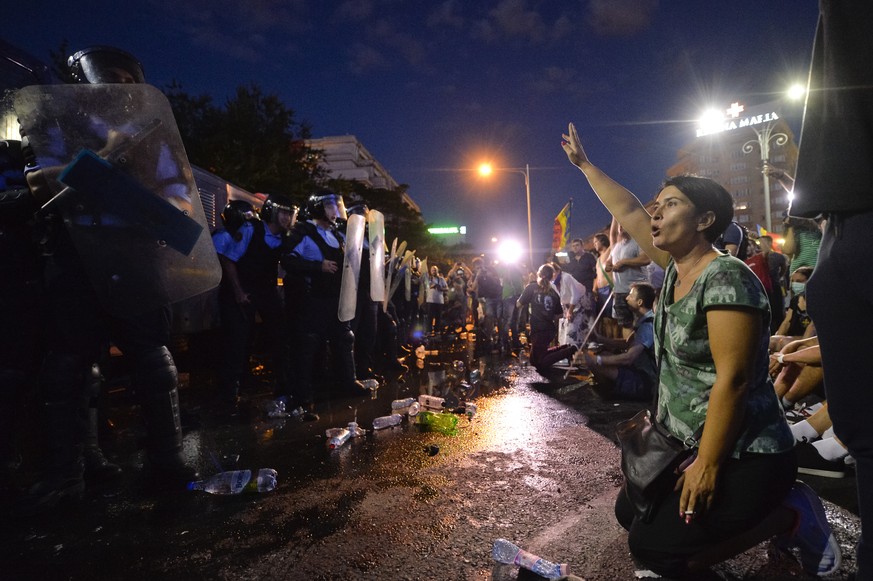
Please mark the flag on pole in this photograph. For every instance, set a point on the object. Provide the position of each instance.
(561, 229)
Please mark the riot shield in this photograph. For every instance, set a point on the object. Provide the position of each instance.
(376, 229)
(351, 268)
(112, 156)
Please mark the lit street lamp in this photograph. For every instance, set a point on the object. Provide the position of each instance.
(485, 170)
(764, 136)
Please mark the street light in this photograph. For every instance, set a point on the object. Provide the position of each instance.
(486, 169)
(763, 138)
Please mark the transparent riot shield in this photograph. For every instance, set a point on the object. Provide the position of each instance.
(114, 161)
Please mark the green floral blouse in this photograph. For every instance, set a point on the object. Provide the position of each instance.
(687, 368)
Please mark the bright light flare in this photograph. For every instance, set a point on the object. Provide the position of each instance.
(509, 252)
(796, 91)
(711, 121)
(485, 169)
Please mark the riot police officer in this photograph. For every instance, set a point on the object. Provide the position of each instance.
(79, 321)
(312, 284)
(248, 251)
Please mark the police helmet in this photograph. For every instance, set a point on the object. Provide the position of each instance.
(105, 64)
(235, 214)
(316, 203)
(274, 203)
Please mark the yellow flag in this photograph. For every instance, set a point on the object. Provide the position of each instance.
(561, 229)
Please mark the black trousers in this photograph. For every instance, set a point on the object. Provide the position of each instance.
(748, 490)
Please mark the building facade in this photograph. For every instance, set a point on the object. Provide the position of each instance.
(344, 157)
(730, 152)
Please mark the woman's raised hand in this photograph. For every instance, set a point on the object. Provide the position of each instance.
(573, 147)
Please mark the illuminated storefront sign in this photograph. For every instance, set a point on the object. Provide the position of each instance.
(448, 230)
(734, 121)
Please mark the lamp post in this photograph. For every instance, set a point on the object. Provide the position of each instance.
(486, 169)
(764, 136)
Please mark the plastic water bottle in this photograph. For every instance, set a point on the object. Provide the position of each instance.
(387, 421)
(408, 406)
(355, 430)
(431, 402)
(446, 424)
(237, 481)
(510, 554)
(277, 408)
(370, 384)
(336, 437)
(470, 409)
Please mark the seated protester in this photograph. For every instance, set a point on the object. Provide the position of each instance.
(739, 489)
(631, 374)
(799, 370)
(819, 451)
(545, 308)
(797, 324)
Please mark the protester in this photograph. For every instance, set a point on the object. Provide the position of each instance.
(544, 304)
(711, 328)
(631, 373)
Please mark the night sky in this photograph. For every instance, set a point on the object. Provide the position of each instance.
(431, 88)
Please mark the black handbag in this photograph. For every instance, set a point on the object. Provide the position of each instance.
(650, 456)
(650, 459)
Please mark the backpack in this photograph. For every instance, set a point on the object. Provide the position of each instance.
(746, 247)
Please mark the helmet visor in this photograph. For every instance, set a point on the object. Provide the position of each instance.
(102, 67)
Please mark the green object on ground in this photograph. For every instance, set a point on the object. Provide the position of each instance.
(437, 422)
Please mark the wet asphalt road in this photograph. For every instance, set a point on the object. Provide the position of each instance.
(536, 465)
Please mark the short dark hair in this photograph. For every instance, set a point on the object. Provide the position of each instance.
(707, 195)
(575, 240)
(803, 270)
(603, 239)
(645, 292)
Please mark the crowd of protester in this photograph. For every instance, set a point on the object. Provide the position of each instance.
(676, 304)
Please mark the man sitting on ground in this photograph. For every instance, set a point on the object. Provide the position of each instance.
(631, 374)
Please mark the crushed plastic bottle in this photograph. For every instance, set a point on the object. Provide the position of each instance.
(277, 408)
(431, 402)
(355, 430)
(387, 421)
(336, 437)
(370, 384)
(446, 424)
(237, 481)
(510, 554)
(405, 407)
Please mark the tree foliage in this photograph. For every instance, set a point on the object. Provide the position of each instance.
(253, 140)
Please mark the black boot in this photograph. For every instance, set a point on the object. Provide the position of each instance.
(97, 468)
(155, 380)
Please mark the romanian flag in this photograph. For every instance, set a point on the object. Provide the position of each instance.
(561, 229)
